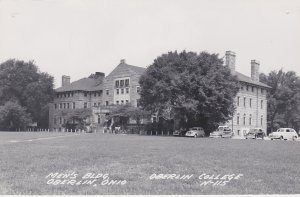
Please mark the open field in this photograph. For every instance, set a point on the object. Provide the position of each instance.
(267, 167)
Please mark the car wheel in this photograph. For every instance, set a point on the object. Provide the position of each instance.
(195, 136)
(281, 138)
(294, 138)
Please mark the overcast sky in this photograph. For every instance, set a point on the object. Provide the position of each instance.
(77, 38)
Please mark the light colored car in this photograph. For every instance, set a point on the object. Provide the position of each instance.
(284, 134)
(195, 132)
(255, 133)
(222, 131)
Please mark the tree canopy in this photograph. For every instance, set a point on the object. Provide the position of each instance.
(22, 83)
(195, 89)
(283, 99)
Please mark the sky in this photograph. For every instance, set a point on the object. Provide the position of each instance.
(77, 38)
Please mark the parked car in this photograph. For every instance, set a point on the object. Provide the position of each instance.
(255, 134)
(222, 131)
(195, 132)
(284, 134)
(180, 132)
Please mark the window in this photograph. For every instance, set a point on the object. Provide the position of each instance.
(247, 88)
(261, 104)
(238, 101)
(238, 119)
(64, 121)
(54, 120)
(122, 102)
(250, 102)
(72, 94)
(99, 103)
(68, 105)
(252, 89)
(99, 93)
(55, 106)
(261, 120)
(250, 119)
(244, 101)
(244, 119)
(127, 90)
(154, 119)
(107, 92)
(118, 91)
(57, 95)
(106, 103)
(60, 105)
(242, 87)
(126, 82)
(117, 102)
(138, 102)
(99, 119)
(117, 83)
(138, 89)
(95, 94)
(64, 105)
(65, 95)
(127, 101)
(60, 120)
(68, 94)
(85, 105)
(85, 94)
(262, 91)
(95, 104)
(73, 105)
(122, 91)
(121, 83)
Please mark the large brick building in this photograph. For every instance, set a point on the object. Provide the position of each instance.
(251, 100)
(97, 93)
(121, 86)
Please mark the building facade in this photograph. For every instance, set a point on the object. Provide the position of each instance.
(251, 100)
(96, 93)
(121, 86)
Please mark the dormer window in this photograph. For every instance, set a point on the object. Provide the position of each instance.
(121, 83)
(126, 82)
(117, 83)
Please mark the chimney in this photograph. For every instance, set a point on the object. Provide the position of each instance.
(255, 70)
(122, 61)
(230, 61)
(99, 76)
(65, 80)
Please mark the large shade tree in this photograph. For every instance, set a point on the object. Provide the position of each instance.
(22, 82)
(283, 99)
(193, 89)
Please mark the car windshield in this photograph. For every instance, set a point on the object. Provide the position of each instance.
(280, 130)
(222, 128)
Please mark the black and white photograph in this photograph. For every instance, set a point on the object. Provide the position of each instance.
(149, 97)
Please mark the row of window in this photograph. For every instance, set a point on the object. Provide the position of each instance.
(250, 102)
(62, 120)
(71, 94)
(122, 91)
(64, 105)
(122, 83)
(251, 88)
(122, 102)
(249, 120)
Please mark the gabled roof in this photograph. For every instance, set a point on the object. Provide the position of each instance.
(136, 69)
(243, 78)
(84, 84)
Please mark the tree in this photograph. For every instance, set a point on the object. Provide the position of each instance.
(23, 83)
(195, 89)
(13, 116)
(124, 112)
(78, 118)
(283, 99)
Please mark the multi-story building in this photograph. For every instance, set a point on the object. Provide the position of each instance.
(121, 86)
(97, 93)
(251, 100)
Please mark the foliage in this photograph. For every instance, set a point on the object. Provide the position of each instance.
(193, 89)
(283, 99)
(77, 118)
(122, 113)
(22, 82)
(13, 116)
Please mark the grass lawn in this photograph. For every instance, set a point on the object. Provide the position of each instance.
(268, 167)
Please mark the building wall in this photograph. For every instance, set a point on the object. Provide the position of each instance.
(257, 112)
(64, 104)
